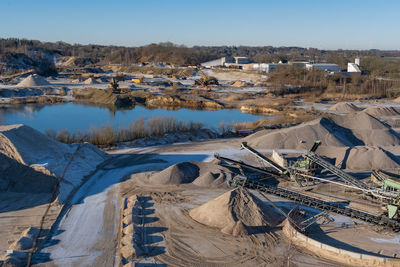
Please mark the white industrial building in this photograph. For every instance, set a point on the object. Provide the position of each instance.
(354, 67)
(299, 64)
(226, 62)
(267, 67)
(218, 62)
(323, 66)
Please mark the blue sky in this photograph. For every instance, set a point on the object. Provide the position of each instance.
(351, 24)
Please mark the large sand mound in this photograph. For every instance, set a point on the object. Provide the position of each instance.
(303, 136)
(31, 148)
(344, 107)
(360, 158)
(17, 177)
(354, 129)
(382, 111)
(236, 212)
(205, 174)
(368, 158)
(368, 129)
(33, 80)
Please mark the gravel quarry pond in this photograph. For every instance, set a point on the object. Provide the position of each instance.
(73, 117)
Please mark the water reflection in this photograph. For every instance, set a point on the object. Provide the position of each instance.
(74, 116)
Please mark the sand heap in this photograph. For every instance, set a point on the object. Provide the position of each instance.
(368, 129)
(360, 158)
(78, 80)
(17, 177)
(29, 151)
(205, 174)
(236, 212)
(344, 107)
(303, 136)
(239, 84)
(382, 111)
(90, 81)
(354, 129)
(367, 158)
(33, 80)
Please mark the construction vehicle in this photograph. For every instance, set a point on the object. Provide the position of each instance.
(114, 86)
(205, 80)
(303, 170)
(136, 80)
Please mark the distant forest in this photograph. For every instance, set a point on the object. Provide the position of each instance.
(173, 54)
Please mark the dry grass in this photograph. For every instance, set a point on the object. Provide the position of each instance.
(140, 128)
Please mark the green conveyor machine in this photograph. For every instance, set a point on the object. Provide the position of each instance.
(392, 184)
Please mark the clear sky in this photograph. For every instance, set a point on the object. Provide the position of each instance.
(333, 24)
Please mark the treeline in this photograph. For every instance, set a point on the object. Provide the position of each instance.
(178, 54)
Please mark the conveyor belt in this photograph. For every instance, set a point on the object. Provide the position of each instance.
(315, 202)
(263, 158)
(250, 167)
(333, 169)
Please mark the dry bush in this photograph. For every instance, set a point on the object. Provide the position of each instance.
(140, 128)
(225, 127)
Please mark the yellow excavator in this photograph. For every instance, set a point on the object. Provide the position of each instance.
(205, 80)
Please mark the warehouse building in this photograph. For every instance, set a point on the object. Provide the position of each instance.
(227, 61)
(328, 67)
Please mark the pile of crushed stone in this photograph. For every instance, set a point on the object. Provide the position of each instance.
(360, 158)
(382, 111)
(17, 177)
(353, 129)
(27, 151)
(33, 80)
(237, 212)
(78, 80)
(344, 107)
(239, 84)
(91, 81)
(203, 174)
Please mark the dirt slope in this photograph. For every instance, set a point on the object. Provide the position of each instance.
(360, 158)
(344, 107)
(370, 130)
(382, 111)
(17, 177)
(33, 149)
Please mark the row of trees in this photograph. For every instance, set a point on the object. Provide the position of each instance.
(179, 54)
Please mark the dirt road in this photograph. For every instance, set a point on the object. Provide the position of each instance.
(87, 233)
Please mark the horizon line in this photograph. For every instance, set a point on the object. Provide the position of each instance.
(198, 45)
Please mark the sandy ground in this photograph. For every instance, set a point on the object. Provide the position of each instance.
(18, 211)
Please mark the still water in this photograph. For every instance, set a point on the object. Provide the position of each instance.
(73, 117)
